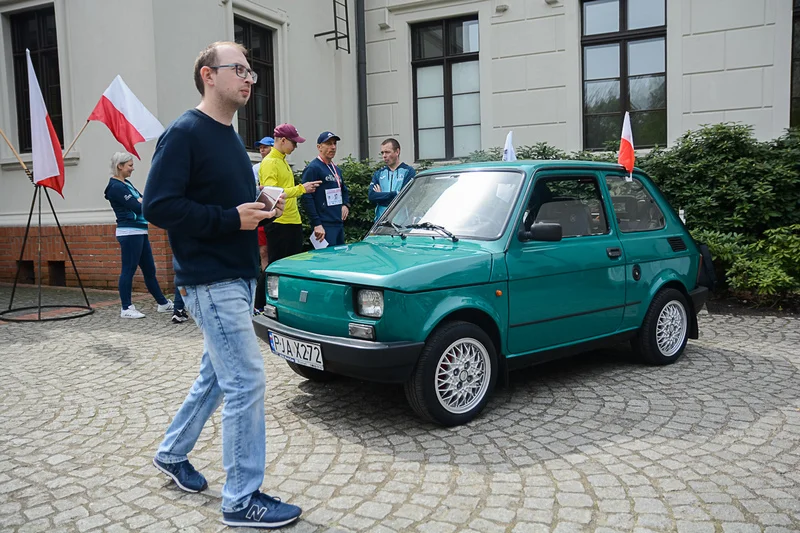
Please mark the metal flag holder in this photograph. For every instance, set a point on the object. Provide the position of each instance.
(38, 191)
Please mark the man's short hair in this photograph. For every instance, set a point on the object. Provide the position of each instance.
(393, 142)
(208, 58)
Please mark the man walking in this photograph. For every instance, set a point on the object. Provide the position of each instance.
(389, 180)
(201, 190)
(329, 205)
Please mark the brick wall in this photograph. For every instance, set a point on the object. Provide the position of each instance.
(95, 250)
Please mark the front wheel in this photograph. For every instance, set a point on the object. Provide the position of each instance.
(665, 329)
(454, 376)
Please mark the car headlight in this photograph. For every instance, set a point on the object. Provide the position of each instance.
(370, 303)
(272, 287)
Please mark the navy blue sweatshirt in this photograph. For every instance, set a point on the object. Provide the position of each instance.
(124, 199)
(316, 204)
(200, 174)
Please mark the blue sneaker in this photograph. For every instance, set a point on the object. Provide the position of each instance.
(183, 474)
(263, 511)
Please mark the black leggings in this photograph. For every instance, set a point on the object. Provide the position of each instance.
(284, 240)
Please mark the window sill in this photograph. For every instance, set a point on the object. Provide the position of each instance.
(11, 163)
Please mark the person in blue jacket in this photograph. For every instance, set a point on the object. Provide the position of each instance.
(132, 236)
(389, 180)
(329, 205)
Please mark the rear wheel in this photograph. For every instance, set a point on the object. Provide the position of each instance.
(665, 329)
(455, 374)
(311, 374)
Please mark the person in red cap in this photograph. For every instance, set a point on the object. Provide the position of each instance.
(285, 234)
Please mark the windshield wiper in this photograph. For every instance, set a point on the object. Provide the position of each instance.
(436, 227)
(390, 224)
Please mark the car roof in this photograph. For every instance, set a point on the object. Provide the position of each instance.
(530, 165)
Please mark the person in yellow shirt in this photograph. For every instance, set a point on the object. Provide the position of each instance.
(285, 234)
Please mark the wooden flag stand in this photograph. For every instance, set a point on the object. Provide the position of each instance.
(81, 310)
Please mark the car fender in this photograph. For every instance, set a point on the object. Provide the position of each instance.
(672, 278)
(456, 304)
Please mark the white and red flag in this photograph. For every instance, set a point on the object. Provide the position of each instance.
(128, 119)
(626, 155)
(48, 162)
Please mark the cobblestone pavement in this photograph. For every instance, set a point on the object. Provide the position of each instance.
(596, 443)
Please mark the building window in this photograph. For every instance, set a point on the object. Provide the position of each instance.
(36, 31)
(624, 69)
(257, 119)
(794, 117)
(446, 78)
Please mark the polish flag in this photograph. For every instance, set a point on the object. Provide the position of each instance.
(48, 162)
(626, 155)
(128, 119)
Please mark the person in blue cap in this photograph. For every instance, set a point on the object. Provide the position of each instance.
(264, 146)
(329, 205)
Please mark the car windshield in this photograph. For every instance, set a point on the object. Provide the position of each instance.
(474, 204)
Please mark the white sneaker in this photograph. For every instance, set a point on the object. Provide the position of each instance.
(131, 312)
(165, 308)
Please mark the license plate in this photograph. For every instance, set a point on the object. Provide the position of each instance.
(302, 353)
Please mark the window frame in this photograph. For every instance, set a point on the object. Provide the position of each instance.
(46, 84)
(446, 60)
(623, 36)
(265, 67)
(570, 176)
(646, 189)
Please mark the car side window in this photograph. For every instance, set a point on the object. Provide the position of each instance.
(633, 206)
(573, 202)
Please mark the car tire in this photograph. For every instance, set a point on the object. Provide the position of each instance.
(665, 329)
(311, 374)
(467, 354)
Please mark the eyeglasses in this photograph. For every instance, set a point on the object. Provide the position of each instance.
(241, 71)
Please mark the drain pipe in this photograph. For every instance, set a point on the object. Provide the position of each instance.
(361, 74)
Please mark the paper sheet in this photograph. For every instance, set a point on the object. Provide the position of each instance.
(318, 244)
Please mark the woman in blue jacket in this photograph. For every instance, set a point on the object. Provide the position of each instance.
(132, 236)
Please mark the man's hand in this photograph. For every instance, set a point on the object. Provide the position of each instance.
(319, 233)
(140, 200)
(345, 212)
(250, 214)
(376, 188)
(311, 186)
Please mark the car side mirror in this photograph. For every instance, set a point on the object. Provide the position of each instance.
(542, 231)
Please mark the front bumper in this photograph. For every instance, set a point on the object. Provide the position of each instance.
(386, 362)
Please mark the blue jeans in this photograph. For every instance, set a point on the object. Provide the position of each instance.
(136, 252)
(232, 368)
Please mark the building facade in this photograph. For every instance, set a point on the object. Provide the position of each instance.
(445, 77)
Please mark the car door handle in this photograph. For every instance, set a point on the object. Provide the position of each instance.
(613, 253)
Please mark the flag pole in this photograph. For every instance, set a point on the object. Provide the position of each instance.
(16, 154)
(75, 139)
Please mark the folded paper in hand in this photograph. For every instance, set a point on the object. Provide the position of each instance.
(269, 197)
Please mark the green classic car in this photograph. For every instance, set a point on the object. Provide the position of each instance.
(477, 269)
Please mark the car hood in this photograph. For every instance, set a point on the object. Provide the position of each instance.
(407, 266)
